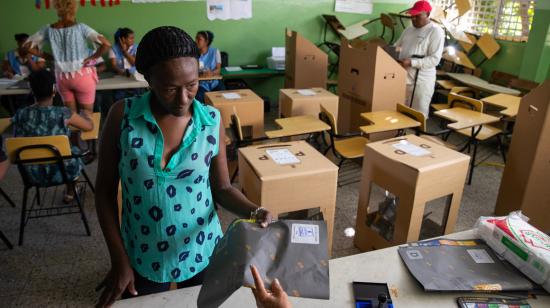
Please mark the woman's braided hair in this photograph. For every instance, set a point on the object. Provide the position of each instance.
(164, 43)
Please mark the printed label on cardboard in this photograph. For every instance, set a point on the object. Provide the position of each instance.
(480, 256)
(411, 149)
(306, 92)
(305, 234)
(414, 255)
(282, 156)
(231, 95)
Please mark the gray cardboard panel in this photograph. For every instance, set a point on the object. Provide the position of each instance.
(293, 251)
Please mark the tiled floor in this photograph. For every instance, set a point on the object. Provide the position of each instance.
(59, 266)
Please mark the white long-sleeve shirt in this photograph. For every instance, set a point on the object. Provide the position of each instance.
(428, 42)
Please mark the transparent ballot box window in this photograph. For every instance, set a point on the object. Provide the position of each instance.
(384, 207)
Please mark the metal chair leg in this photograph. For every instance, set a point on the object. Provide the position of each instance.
(3, 193)
(88, 180)
(472, 163)
(82, 214)
(501, 147)
(234, 174)
(23, 212)
(38, 195)
(5, 240)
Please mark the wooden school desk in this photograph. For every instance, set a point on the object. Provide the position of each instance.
(294, 126)
(463, 119)
(382, 265)
(510, 103)
(480, 84)
(387, 120)
(251, 73)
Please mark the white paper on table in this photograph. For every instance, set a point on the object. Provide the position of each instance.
(278, 52)
(8, 82)
(355, 30)
(410, 148)
(138, 76)
(282, 156)
(231, 95)
(353, 6)
(306, 92)
(233, 68)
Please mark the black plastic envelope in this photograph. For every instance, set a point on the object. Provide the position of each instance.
(293, 251)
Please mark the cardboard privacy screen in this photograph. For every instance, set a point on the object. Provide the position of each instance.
(293, 251)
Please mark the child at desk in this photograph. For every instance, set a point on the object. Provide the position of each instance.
(19, 62)
(44, 119)
(210, 64)
(123, 60)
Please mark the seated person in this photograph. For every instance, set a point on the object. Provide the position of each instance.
(210, 64)
(123, 60)
(123, 52)
(44, 119)
(19, 62)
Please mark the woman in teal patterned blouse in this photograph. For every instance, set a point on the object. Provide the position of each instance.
(165, 149)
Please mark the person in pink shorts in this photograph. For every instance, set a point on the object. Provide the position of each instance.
(76, 77)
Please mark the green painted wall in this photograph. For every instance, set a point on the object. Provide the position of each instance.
(535, 63)
(246, 41)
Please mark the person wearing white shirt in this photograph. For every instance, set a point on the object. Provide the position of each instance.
(420, 49)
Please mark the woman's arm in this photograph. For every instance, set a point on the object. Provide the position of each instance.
(121, 276)
(114, 65)
(131, 59)
(81, 122)
(224, 193)
(103, 48)
(218, 70)
(6, 69)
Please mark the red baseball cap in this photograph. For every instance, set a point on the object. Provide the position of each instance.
(419, 7)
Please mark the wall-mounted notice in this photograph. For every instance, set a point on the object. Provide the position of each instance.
(228, 9)
(353, 6)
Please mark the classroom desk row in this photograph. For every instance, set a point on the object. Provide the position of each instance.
(384, 266)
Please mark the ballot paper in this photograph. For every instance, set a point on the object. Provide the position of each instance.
(306, 92)
(233, 68)
(410, 148)
(447, 265)
(282, 156)
(293, 251)
(231, 95)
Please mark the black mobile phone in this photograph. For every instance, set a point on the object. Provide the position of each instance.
(371, 295)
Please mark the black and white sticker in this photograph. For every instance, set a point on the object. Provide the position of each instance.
(305, 234)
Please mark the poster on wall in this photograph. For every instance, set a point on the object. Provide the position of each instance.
(228, 9)
(353, 6)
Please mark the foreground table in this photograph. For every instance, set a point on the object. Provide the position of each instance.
(387, 120)
(294, 126)
(510, 103)
(480, 84)
(383, 265)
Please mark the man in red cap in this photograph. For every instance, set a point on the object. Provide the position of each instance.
(420, 48)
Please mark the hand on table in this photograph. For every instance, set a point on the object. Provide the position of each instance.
(263, 217)
(276, 297)
(119, 278)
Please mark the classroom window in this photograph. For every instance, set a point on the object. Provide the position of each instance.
(505, 19)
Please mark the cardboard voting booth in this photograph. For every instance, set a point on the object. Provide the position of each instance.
(293, 251)
(245, 103)
(369, 79)
(399, 177)
(288, 177)
(306, 64)
(525, 181)
(298, 102)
